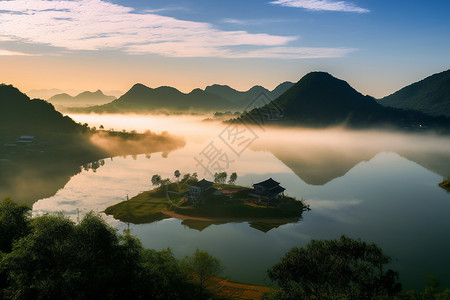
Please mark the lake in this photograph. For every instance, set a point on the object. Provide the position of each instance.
(378, 186)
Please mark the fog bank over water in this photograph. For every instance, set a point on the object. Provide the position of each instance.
(379, 186)
(315, 155)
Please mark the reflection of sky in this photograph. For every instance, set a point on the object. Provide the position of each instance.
(388, 200)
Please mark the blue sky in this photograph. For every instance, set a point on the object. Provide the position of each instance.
(377, 46)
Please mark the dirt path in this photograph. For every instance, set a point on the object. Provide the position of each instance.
(232, 290)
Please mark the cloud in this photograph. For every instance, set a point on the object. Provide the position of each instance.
(322, 5)
(235, 21)
(253, 21)
(13, 53)
(99, 25)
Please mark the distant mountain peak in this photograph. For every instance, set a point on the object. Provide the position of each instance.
(139, 86)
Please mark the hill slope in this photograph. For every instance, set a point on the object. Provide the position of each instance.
(21, 116)
(319, 99)
(430, 95)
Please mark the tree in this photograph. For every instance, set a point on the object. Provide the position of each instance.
(220, 178)
(156, 179)
(233, 178)
(202, 266)
(14, 222)
(59, 259)
(177, 175)
(164, 183)
(335, 269)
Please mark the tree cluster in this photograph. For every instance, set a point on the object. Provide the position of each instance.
(51, 257)
(221, 178)
(335, 269)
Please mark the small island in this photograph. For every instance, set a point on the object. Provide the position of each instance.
(445, 185)
(202, 203)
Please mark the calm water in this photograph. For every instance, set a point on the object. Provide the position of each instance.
(380, 187)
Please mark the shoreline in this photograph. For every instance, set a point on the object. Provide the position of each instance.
(175, 215)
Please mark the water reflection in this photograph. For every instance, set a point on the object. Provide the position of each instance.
(377, 186)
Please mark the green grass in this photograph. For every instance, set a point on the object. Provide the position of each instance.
(149, 207)
(146, 207)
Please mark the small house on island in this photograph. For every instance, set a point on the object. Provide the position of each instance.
(197, 190)
(267, 191)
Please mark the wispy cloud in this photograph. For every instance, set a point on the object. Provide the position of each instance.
(100, 25)
(13, 53)
(322, 5)
(253, 21)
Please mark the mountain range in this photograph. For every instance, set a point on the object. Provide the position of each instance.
(83, 99)
(48, 93)
(319, 100)
(142, 99)
(430, 95)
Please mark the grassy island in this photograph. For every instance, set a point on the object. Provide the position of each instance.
(445, 184)
(221, 204)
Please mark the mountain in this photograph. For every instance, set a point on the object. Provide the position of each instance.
(281, 89)
(82, 99)
(319, 99)
(141, 98)
(43, 93)
(21, 116)
(430, 95)
(246, 97)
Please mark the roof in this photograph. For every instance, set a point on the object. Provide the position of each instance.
(277, 190)
(269, 183)
(204, 184)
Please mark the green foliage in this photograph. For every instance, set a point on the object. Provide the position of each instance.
(220, 178)
(156, 179)
(177, 174)
(202, 266)
(335, 269)
(233, 178)
(14, 223)
(163, 270)
(59, 259)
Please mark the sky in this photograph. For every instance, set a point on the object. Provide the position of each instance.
(378, 46)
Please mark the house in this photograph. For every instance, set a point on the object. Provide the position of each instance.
(197, 190)
(267, 191)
